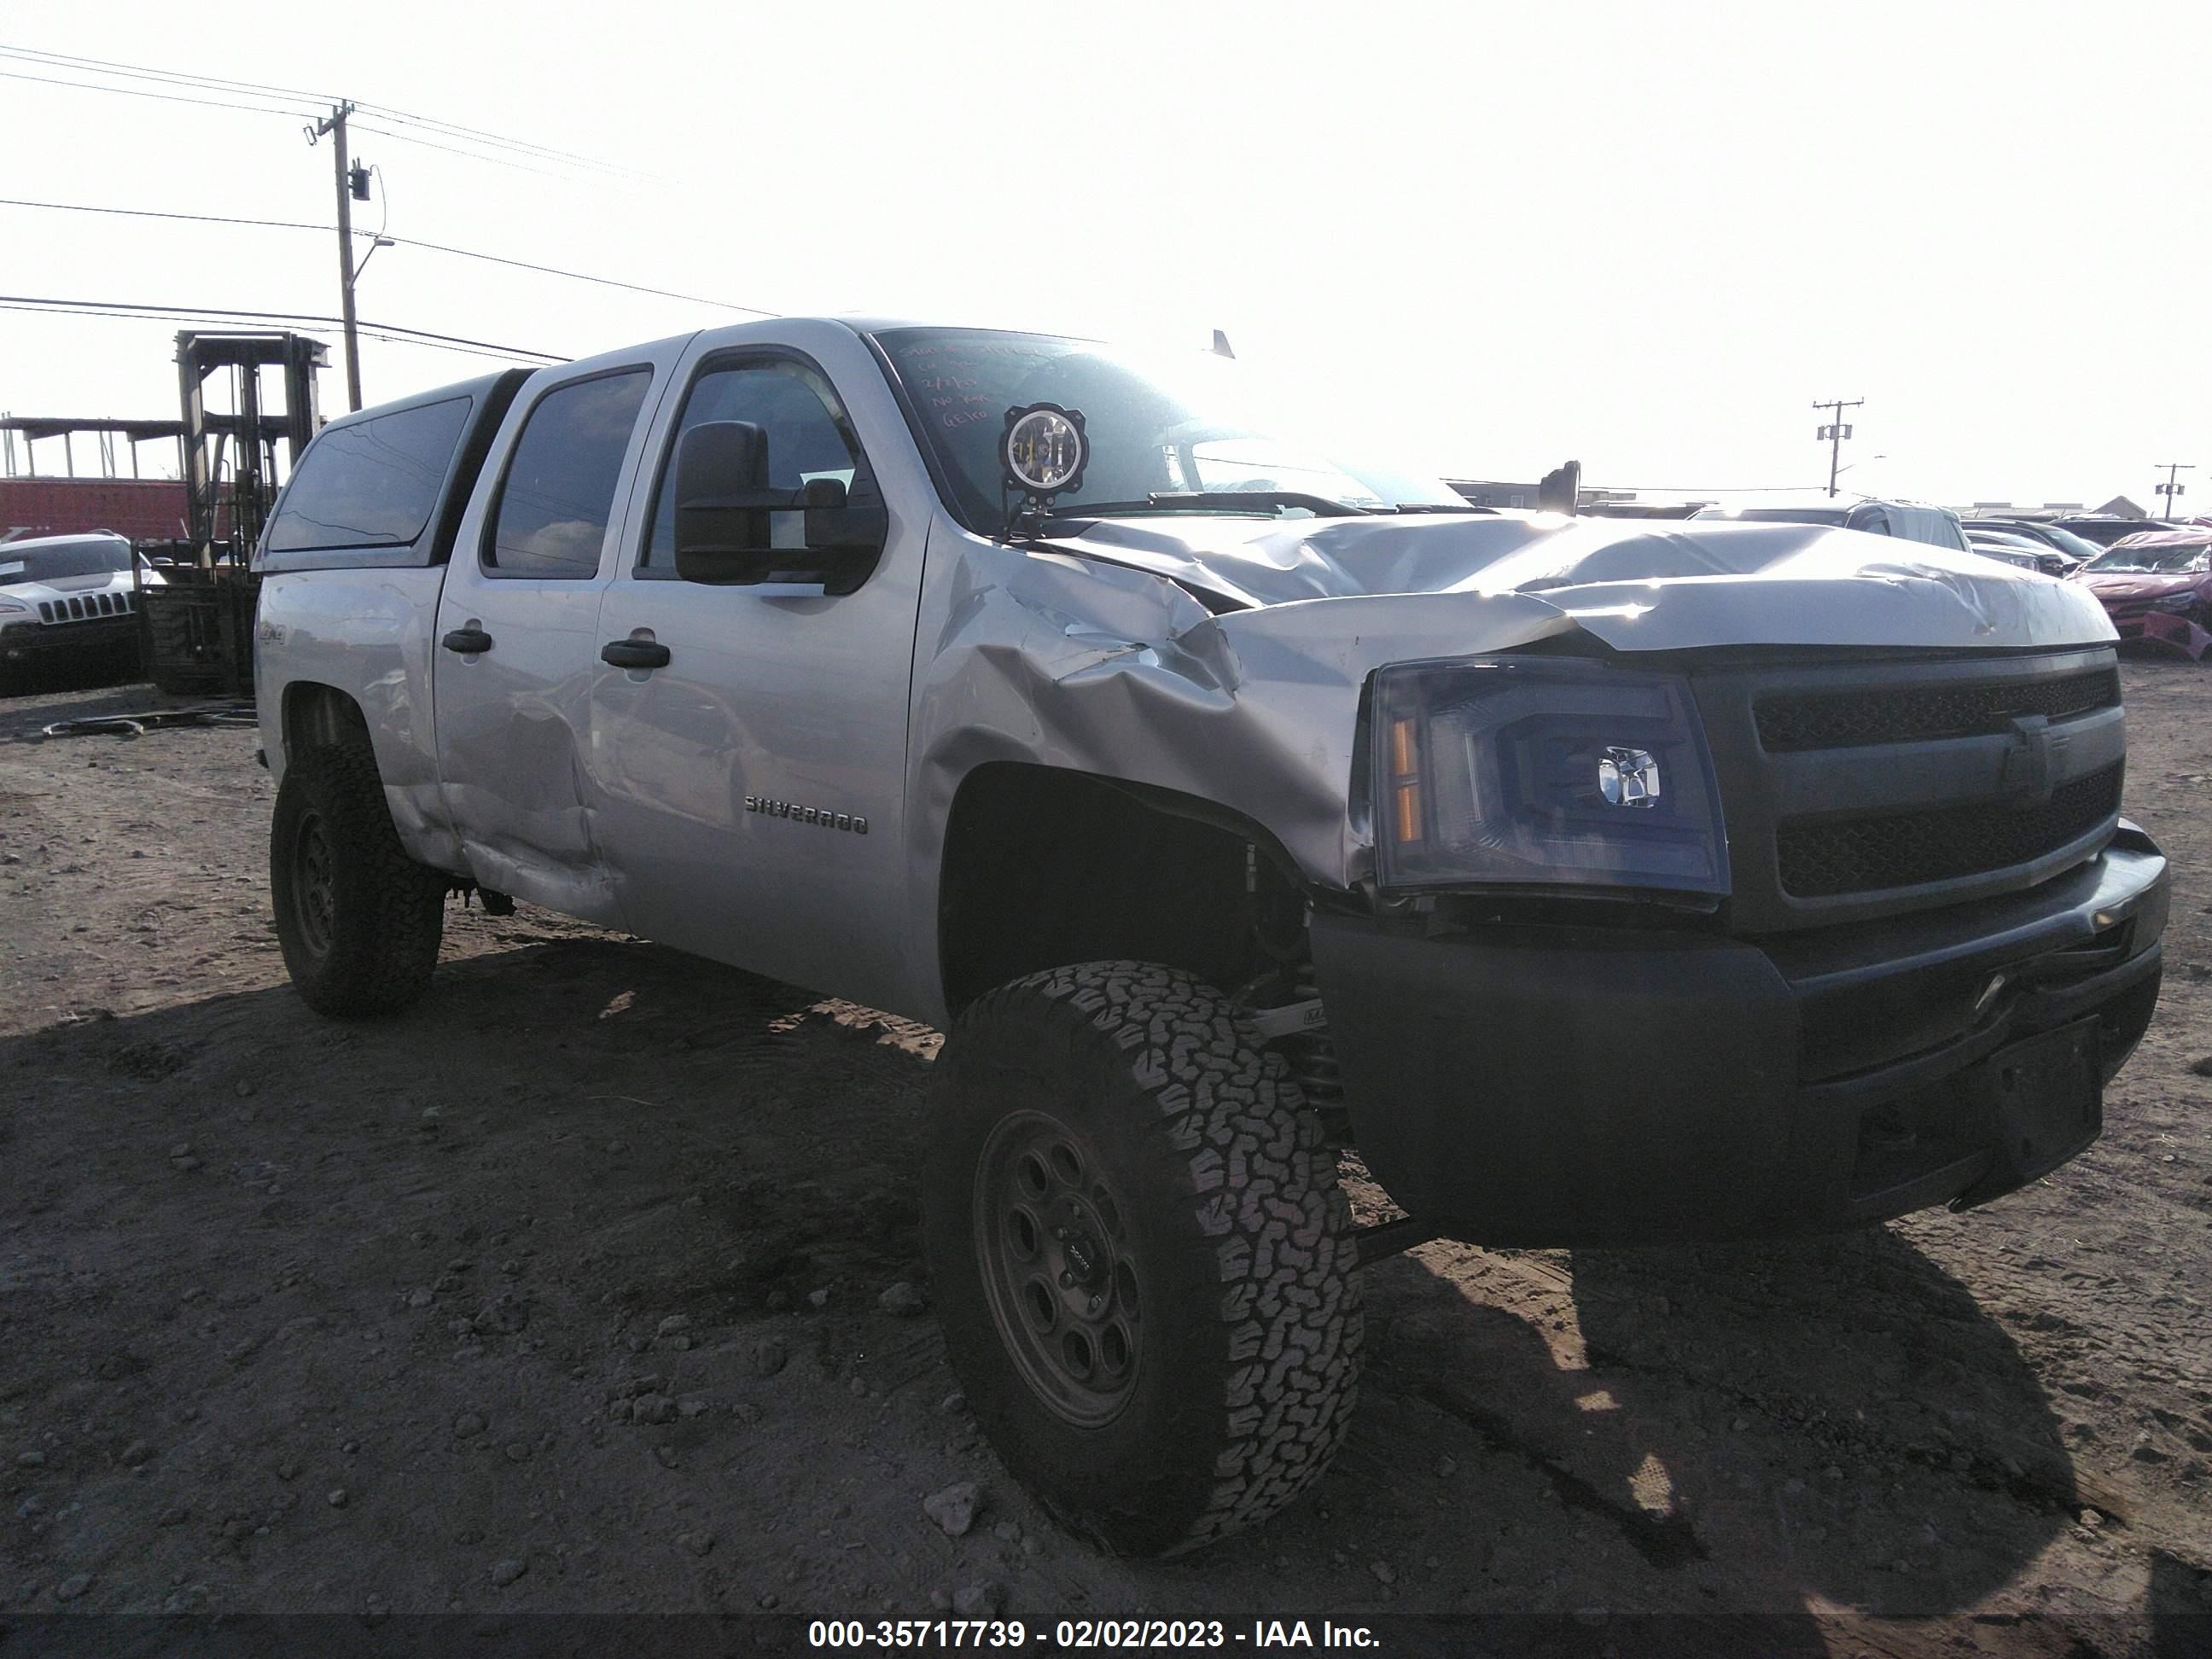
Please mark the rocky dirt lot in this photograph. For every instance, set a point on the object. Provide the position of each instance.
(592, 1285)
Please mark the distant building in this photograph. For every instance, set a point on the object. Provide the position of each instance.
(147, 509)
(2121, 508)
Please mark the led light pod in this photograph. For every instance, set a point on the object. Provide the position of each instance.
(1044, 449)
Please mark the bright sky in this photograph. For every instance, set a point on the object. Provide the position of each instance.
(1493, 235)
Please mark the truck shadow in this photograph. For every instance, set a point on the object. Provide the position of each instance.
(1751, 1428)
(1671, 1431)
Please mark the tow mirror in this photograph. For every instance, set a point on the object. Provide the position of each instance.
(725, 517)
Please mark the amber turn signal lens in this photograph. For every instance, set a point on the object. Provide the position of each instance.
(1409, 812)
(1405, 782)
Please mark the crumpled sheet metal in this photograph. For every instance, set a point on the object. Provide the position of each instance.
(2177, 633)
(1050, 657)
(1881, 590)
(1058, 661)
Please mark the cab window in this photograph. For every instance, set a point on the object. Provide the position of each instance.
(554, 502)
(808, 438)
(371, 482)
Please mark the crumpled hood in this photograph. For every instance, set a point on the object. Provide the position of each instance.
(1636, 584)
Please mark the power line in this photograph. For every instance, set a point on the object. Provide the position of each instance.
(372, 332)
(261, 89)
(385, 112)
(473, 156)
(271, 109)
(20, 301)
(139, 71)
(403, 241)
(166, 97)
(604, 281)
(152, 213)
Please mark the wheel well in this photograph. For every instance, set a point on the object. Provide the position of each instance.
(315, 716)
(1043, 867)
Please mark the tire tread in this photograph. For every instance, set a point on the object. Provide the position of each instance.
(1262, 1185)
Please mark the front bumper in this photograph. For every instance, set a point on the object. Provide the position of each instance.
(1554, 1085)
(2164, 629)
(35, 642)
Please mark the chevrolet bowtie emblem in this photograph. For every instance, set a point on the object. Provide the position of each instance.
(2025, 774)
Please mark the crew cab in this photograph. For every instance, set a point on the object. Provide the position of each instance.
(69, 602)
(1231, 805)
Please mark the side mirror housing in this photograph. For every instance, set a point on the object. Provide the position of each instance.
(723, 532)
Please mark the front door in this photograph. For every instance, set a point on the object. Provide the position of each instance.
(518, 640)
(751, 789)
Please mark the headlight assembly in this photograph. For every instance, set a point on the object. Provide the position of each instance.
(2174, 602)
(1543, 771)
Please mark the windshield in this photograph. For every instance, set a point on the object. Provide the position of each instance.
(94, 556)
(1156, 427)
(2153, 561)
(2080, 547)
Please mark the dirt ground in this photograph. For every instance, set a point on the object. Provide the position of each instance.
(561, 1293)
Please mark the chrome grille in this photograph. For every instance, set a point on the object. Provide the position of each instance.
(85, 607)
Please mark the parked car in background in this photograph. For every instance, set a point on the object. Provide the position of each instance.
(2157, 588)
(68, 603)
(2075, 548)
(1938, 526)
(2105, 528)
(2020, 551)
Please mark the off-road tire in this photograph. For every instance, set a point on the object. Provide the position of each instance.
(1247, 1368)
(372, 946)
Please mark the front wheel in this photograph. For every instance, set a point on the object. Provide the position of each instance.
(1145, 1268)
(359, 921)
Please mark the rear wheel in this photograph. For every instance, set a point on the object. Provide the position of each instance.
(359, 921)
(1145, 1268)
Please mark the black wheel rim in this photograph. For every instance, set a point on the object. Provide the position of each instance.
(1060, 1275)
(314, 893)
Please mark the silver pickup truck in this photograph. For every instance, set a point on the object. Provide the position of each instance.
(1233, 806)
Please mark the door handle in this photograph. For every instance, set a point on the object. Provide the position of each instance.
(634, 654)
(467, 641)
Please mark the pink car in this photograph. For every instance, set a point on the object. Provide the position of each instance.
(2157, 588)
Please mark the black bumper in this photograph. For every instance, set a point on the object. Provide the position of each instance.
(1582, 1086)
(34, 642)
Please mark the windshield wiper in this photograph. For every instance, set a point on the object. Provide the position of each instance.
(1440, 507)
(1212, 500)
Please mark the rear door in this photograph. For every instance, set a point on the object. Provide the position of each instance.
(751, 789)
(517, 630)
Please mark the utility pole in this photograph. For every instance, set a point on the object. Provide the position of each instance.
(336, 126)
(2170, 489)
(1833, 436)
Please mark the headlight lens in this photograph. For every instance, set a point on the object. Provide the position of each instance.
(2174, 602)
(9, 606)
(1545, 772)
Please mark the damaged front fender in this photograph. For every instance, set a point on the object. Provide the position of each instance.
(1052, 659)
